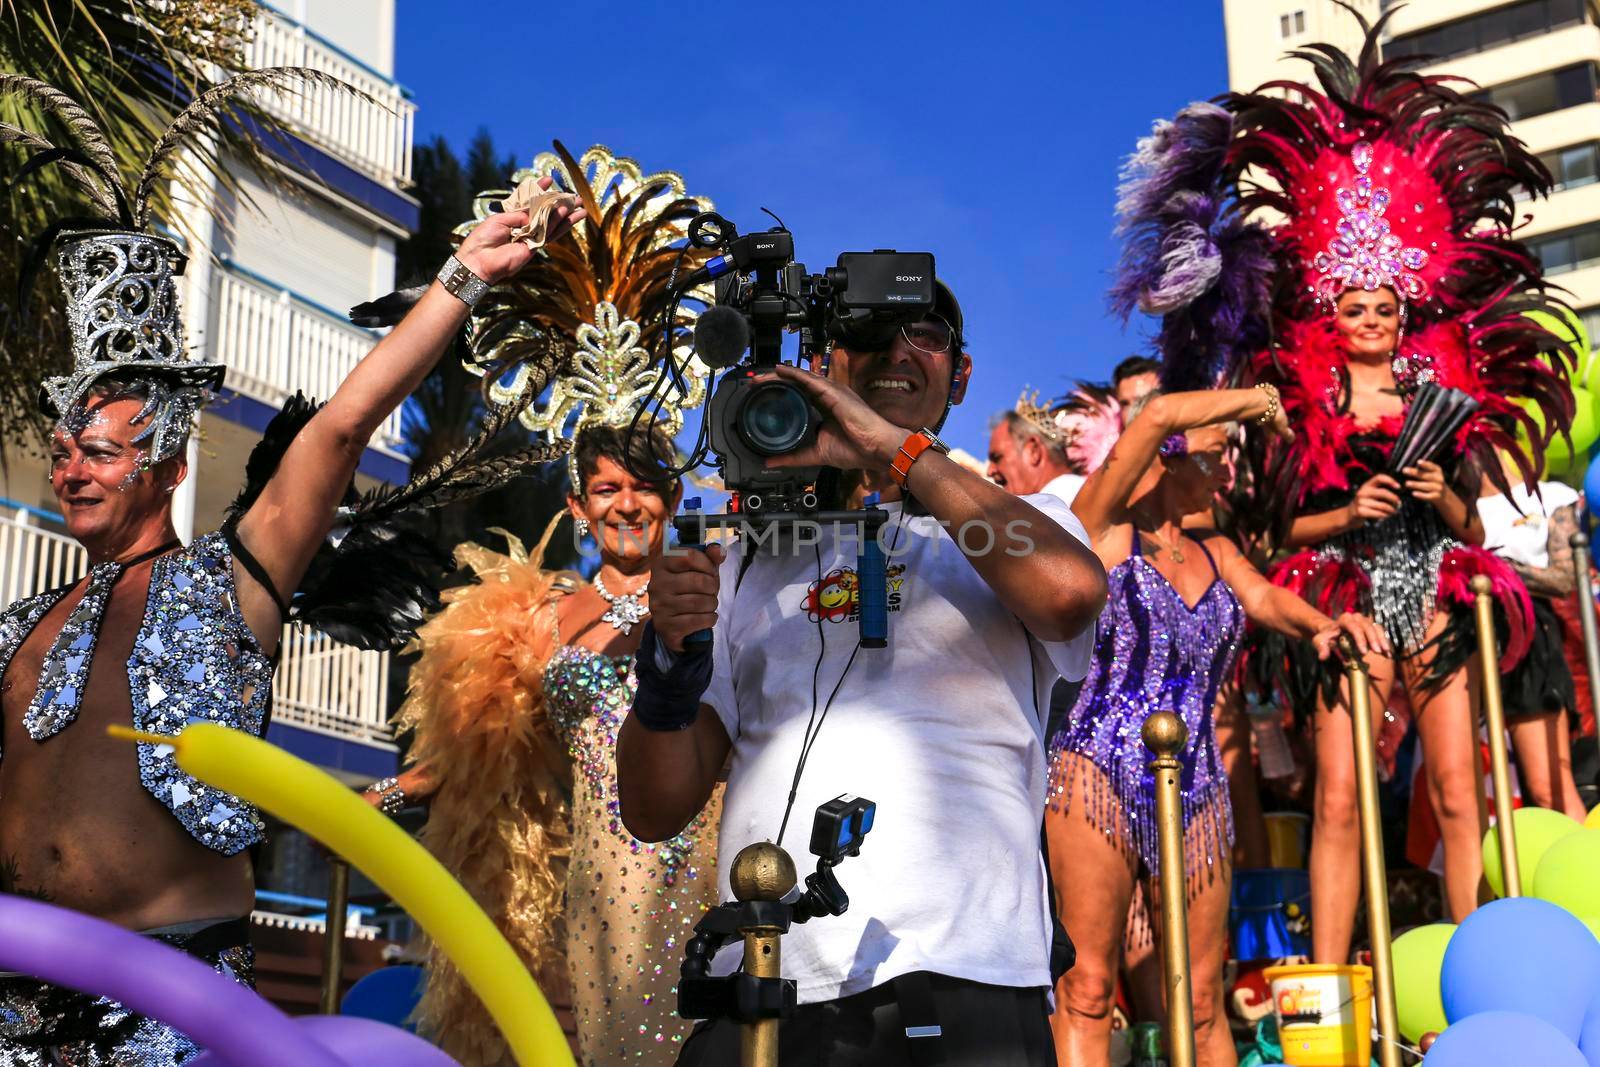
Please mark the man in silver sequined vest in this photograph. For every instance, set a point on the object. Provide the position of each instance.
(159, 634)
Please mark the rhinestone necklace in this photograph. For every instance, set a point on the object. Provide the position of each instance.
(626, 610)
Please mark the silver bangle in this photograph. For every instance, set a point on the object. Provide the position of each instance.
(459, 281)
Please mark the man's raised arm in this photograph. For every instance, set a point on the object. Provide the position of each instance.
(296, 509)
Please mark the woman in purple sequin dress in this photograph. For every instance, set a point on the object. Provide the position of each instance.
(1177, 604)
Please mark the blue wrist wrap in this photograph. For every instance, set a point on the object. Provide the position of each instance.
(670, 699)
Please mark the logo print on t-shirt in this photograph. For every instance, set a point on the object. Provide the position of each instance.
(837, 596)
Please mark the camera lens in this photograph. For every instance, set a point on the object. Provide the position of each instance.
(775, 418)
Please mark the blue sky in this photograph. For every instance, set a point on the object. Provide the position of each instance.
(989, 135)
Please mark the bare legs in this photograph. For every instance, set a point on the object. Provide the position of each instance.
(1447, 723)
(1095, 883)
(1544, 756)
(1335, 861)
(1250, 847)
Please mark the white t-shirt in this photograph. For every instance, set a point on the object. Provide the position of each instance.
(1064, 487)
(1518, 528)
(942, 729)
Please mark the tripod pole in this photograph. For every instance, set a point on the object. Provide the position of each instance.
(761, 871)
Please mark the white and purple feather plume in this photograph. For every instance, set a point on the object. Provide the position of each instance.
(1190, 257)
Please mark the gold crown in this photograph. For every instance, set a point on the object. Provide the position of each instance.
(1040, 418)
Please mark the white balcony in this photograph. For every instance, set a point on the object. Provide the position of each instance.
(320, 685)
(276, 342)
(375, 138)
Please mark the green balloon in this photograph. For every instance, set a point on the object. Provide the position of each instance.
(1569, 874)
(1418, 955)
(1585, 431)
(1536, 830)
(1569, 327)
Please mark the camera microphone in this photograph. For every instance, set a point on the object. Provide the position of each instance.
(721, 335)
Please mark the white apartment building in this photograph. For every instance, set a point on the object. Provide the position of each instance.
(268, 296)
(1539, 60)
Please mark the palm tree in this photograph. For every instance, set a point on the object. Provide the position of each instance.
(134, 65)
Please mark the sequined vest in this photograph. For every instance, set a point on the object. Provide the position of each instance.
(194, 660)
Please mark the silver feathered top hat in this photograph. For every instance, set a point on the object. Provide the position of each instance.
(122, 309)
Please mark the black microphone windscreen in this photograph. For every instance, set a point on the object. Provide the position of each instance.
(721, 335)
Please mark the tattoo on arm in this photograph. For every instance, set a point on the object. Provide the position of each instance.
(1559, 577)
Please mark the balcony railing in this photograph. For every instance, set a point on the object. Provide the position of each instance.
(320, 685)
(277, 342)
(373, 138)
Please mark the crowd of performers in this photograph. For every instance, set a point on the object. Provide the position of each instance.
(1209, 530)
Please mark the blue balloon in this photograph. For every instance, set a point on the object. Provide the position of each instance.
(389, 995)
(1589, 1037)
(1522, 955)
(1501, 1039)
(1591, 483)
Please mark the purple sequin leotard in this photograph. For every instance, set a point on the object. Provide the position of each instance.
(1153, 652)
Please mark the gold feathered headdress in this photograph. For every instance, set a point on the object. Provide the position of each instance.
(595, 306)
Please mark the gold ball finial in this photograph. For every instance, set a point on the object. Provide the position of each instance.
(1164, 734)
(1481, 584)
(762, 871)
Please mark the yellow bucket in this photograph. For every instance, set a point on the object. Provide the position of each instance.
(1324, 1014)
(1286, 838)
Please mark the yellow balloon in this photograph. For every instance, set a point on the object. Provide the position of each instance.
(1593, 821)
(300, 794)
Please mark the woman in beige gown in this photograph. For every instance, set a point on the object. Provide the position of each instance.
(524, 680)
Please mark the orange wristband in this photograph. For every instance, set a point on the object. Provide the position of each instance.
(915, 445)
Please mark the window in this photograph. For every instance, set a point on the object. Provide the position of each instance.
(1572, 250)
(1591, 323)
(1543, 93)
(1571, 168)
(1514, 22)
(1292, 24)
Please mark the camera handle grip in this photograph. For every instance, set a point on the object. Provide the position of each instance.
(691, 531)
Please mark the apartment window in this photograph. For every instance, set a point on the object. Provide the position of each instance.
(1575, 166)
(1591, 324)
(1572, 250)
(1543, 93)
(1514, 22)
(1292, 24)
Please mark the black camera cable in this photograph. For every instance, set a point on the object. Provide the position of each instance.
(814, 723)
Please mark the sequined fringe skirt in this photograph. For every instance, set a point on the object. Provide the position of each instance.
(1127, 817)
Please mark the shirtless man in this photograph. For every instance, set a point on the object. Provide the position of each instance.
(159, 634)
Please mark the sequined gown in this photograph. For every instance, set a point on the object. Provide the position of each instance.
(631, 906)
(1153, 652)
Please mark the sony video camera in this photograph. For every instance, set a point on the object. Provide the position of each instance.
(762, 293)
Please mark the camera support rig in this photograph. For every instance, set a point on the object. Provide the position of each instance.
(763, 874)
(872, 619)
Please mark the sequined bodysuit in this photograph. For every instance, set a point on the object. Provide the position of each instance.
(631, 906)
(1153, 652)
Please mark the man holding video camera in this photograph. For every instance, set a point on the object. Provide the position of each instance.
(943, 953)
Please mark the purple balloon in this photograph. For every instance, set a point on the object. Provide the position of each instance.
(1501, 1039)
(93, 956)
(368, 1043)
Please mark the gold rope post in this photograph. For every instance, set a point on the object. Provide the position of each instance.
(1591, 639)
(761, 871)
(1372, 863)
(333, 943)
(1164, 735)
(1499, 763)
